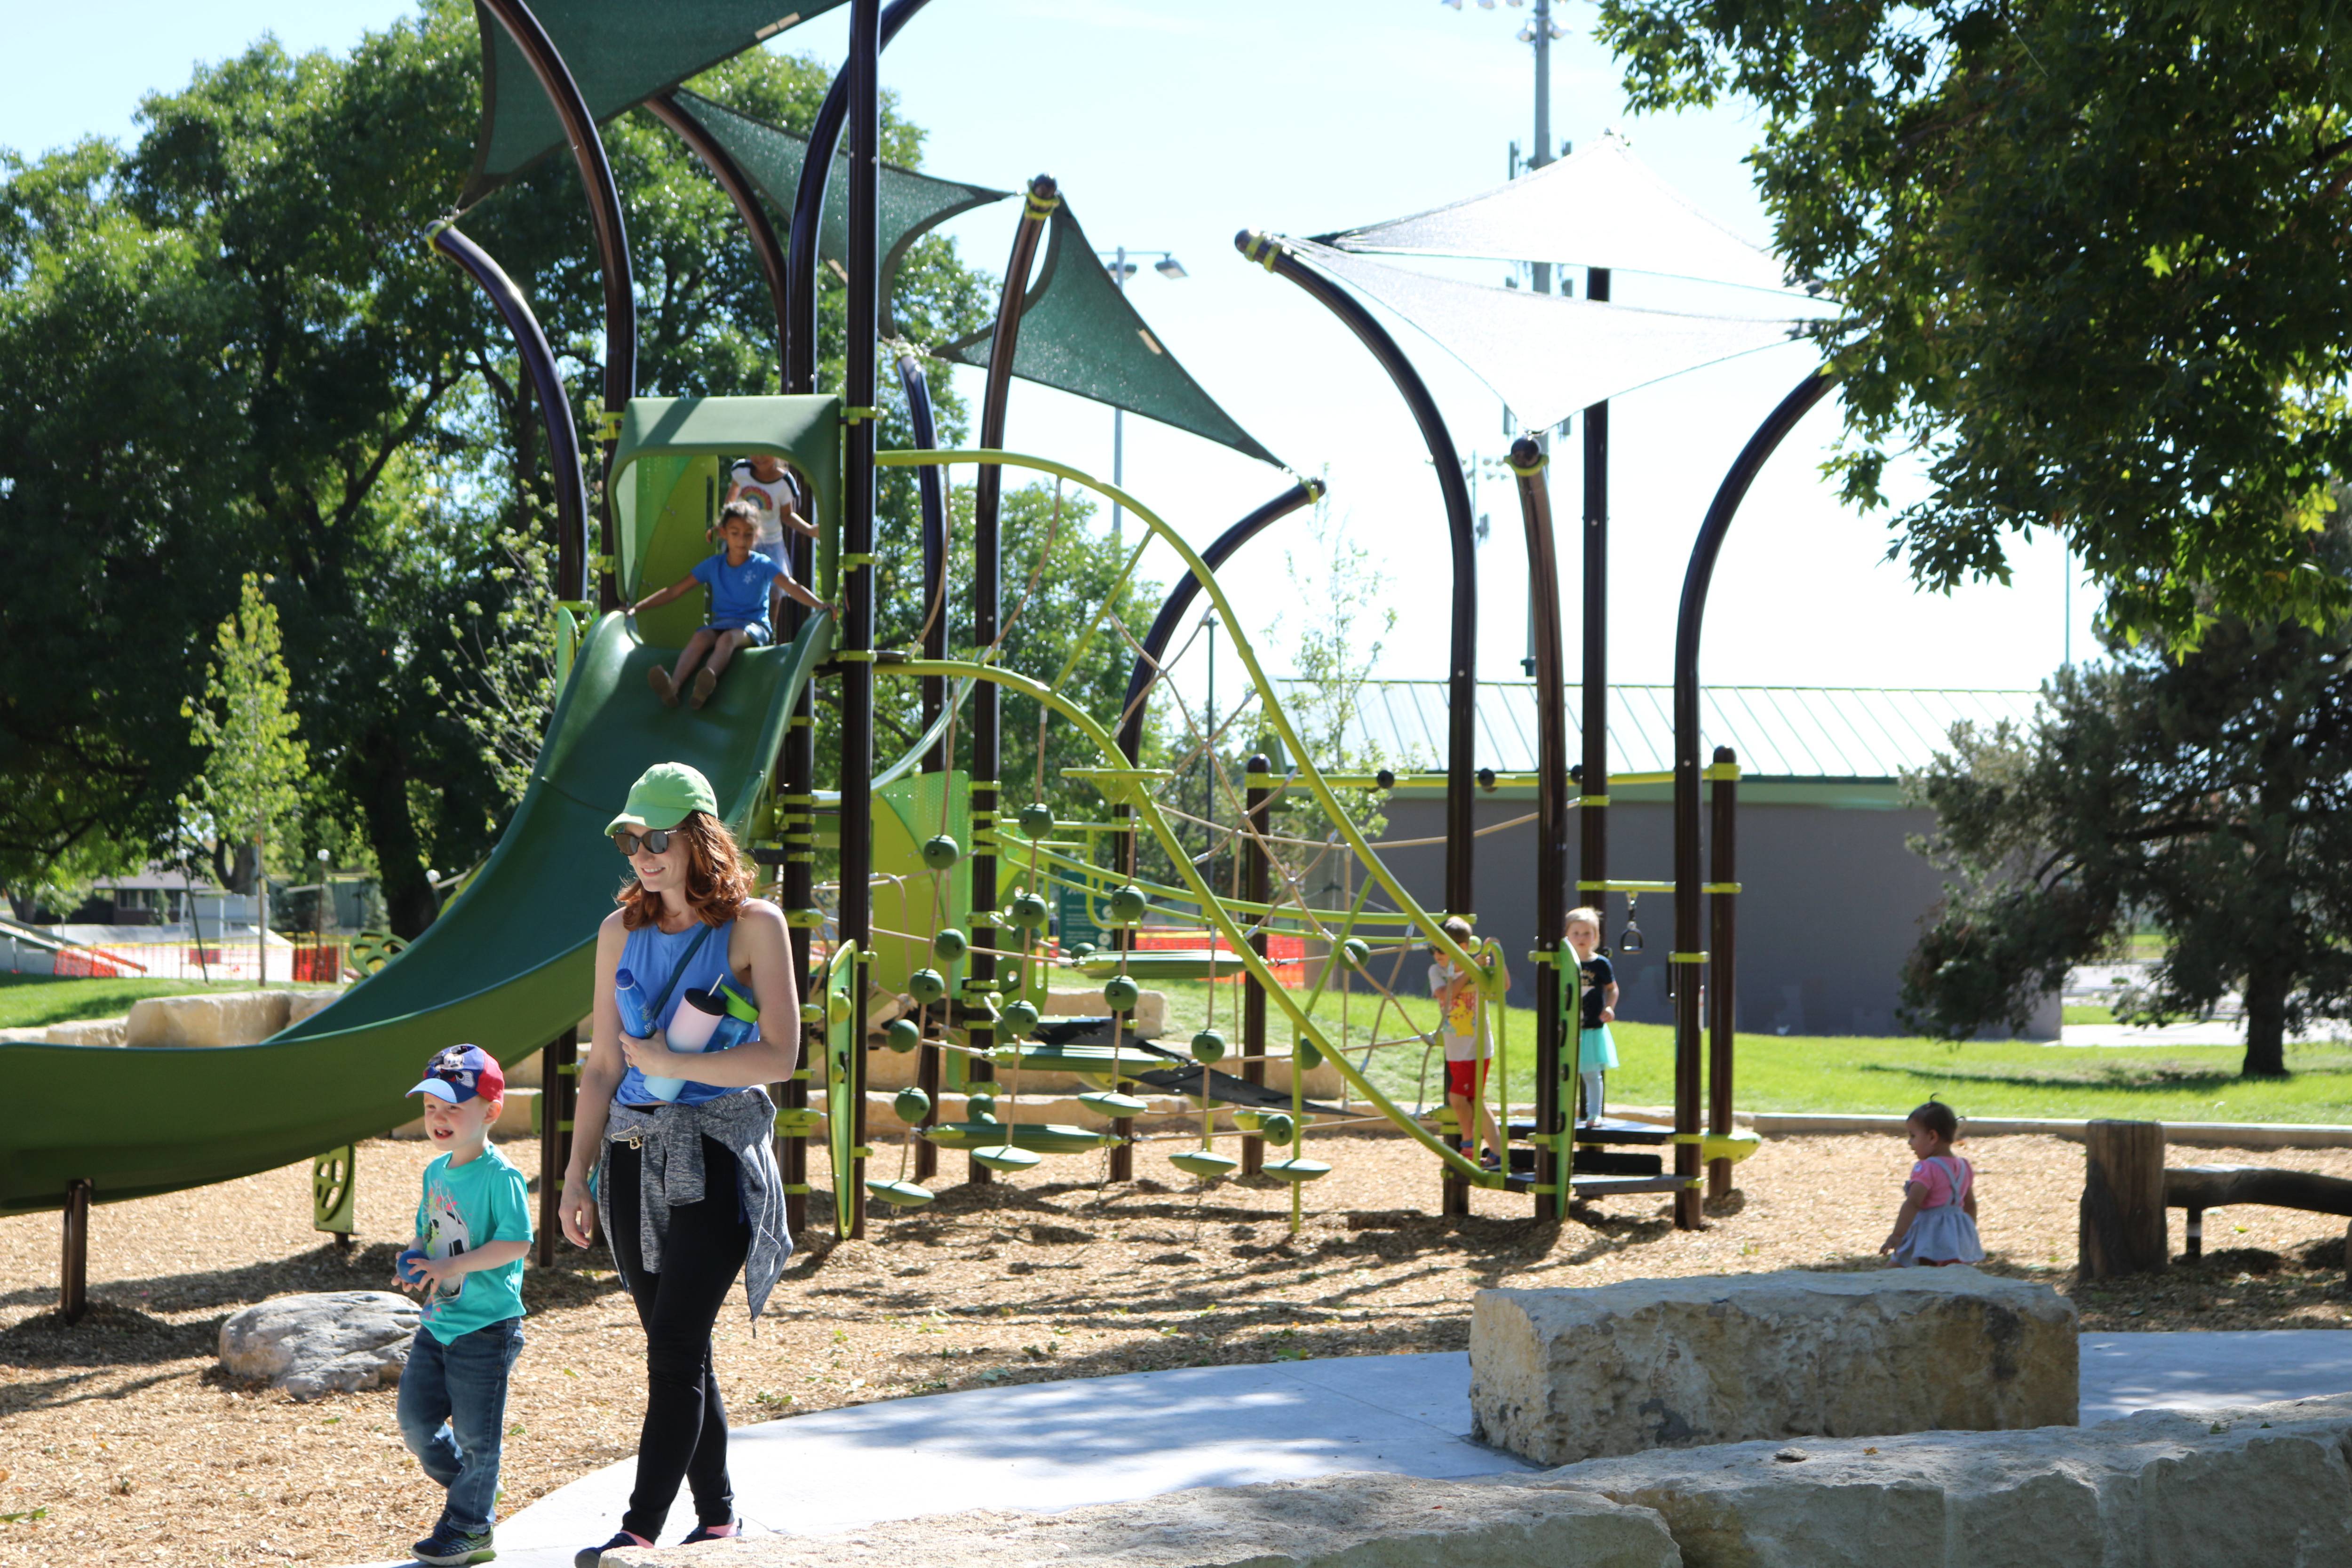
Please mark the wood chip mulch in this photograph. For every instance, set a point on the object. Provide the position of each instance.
(123, 1442)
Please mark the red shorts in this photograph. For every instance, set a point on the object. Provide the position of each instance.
(1464, 1079)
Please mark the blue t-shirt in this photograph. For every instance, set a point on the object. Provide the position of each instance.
(649, 955)
(738, 593)
(463, 1208)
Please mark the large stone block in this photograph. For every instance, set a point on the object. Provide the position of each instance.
(211, 1019)
(2267, 1487)
(309, 1345)
(1340, 1522)
(1566, 1374)
(87, 1031)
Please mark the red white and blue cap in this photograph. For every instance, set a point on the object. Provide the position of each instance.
(462, 1073)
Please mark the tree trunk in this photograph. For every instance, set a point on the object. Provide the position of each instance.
(261, 908)
(2266, 1022)
(378, 780)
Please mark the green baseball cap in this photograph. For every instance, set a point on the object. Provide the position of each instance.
(662, 797)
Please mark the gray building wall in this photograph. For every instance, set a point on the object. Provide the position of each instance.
(1830, 905)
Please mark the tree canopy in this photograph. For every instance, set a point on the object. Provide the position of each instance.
(226, 349)
(2093, 261)
(2207, 791)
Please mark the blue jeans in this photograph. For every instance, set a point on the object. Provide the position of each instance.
(453, 1408)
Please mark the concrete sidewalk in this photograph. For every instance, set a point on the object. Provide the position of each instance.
(1054, 1446)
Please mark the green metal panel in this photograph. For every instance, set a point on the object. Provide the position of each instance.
(678, 540)
(803, 431)
(508, 965)
(911, 897)
(841, 1043)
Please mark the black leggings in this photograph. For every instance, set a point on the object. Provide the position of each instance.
(703, 1249)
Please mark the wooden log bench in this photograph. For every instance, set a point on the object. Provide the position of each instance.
(2201, 1187)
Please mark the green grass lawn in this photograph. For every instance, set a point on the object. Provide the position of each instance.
(37, 1001)
(2086, 1013)
(1855, 1075)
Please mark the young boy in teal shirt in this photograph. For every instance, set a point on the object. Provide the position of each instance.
(473, 1228)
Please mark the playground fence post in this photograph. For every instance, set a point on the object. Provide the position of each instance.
(2122, 1229)
(73, 1272)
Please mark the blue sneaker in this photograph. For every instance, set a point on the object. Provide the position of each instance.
(589, 1556)
(702, 1533)
(446, 1547)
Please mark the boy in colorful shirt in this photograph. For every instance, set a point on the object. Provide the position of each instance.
(473, 1228)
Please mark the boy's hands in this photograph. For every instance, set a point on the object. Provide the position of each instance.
(431, 1271)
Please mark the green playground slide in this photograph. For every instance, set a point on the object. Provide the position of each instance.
(507, 966)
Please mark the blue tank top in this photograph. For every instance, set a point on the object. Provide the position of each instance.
(650, 954)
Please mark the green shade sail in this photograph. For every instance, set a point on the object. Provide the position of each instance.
(1079, 334)
(619, 53)
(772, 158)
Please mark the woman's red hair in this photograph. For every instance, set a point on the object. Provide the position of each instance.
(715, 884)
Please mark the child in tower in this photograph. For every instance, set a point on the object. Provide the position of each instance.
(738, 578)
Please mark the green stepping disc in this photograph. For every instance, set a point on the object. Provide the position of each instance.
(1016, 1020)
(1106, 1103)
(1121, 995)
(911, 1104)
(927, 985)
(1036, 819)
(1127, 905)
(949, 944)
(1208, 1046)
(1298, 1171)
(1005, 1157)
(899, 1194)
(1205, 1164)
(941, 852)
(1030, 912)
(903, 1034)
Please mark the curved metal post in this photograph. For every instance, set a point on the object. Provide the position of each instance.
(1462, 672)
(1180, 600)
(554, 407)
(1686, 955)
(934, 619)
(612, 233)
(856, 569)
(917, 387)
(808, 213)
(987, 605)
(1528, 461)
(731, 179)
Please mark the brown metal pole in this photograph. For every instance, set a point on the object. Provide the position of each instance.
(1528, 461)
(1593, 809)
(558, 1088)
(1257, 876)
(73, 1272)
(1722, 976)
(987, 741)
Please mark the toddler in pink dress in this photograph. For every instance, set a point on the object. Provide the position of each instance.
(1938, 1223)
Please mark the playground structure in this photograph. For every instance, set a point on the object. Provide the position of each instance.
(933, 938)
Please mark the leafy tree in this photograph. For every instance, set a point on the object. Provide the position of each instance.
(227, 349)
(253, 756)
(2091, 261)
(2209, 790)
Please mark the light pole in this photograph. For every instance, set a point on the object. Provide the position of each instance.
(1121, 270)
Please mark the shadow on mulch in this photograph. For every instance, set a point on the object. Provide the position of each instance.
(109, 1335)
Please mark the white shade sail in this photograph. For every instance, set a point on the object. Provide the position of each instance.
(1598, 207)
(1547, 357)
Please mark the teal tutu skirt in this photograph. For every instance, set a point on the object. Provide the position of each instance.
(1596, 1050)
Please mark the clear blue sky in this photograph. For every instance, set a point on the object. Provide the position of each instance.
(1170, 124)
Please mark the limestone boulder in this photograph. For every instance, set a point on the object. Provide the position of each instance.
(1339, 1522)
(212, 1018)
(1561, 1375)
(87, 1031)
(1150, 1018)
(2266, 1487)
(310, 1345)
(301, 1004)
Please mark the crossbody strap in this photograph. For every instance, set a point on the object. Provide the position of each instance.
(679, 971)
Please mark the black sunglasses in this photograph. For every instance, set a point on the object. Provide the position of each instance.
(656, 839)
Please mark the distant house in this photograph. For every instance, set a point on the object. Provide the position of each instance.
(158, 896)
(1832, 896)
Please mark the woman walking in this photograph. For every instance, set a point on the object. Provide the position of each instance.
(684, 1178)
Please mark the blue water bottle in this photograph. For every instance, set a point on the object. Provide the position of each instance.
(630, 998)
